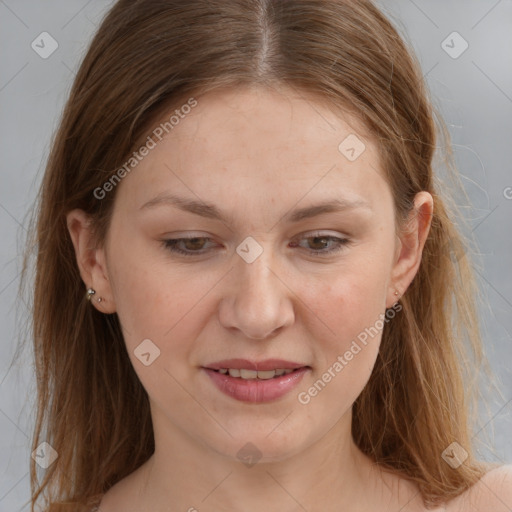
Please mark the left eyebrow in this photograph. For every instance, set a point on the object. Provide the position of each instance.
(332, 206)
(210, 211)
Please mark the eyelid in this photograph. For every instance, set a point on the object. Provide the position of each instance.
(341, 241)
(322, 232)
(305, 234)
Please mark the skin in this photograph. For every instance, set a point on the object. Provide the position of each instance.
(256, 154)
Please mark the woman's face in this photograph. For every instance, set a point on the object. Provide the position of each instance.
(260, 283)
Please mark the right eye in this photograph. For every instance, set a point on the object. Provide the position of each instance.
(193, 245)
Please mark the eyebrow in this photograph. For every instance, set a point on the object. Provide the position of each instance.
(210, 211)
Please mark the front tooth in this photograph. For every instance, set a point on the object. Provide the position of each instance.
(253, 374)
(267, 374)
(248, 374)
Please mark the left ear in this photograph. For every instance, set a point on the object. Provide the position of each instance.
(410, 246)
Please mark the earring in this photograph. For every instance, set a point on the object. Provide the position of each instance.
(90, 293)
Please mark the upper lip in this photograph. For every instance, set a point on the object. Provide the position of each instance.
(267, 364)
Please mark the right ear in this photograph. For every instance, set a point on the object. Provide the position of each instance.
(91, 260)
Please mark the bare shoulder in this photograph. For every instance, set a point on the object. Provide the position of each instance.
(492, 493)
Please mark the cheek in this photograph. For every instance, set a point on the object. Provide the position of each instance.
(159, 314)
(347, 301)
(153, 300)
(346, 320)
(347, 341)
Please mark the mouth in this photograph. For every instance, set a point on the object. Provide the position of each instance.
(259, 366)
(245, 374)
(255, 382)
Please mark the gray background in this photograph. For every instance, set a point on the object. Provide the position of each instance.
(472, 91)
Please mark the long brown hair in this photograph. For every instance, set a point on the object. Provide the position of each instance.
(147, 56)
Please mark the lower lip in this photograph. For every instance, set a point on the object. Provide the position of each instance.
(256, 390)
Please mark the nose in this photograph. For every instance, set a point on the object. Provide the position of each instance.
(258, 301)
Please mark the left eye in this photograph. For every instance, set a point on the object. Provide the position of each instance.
(194, 245)
(323, 240)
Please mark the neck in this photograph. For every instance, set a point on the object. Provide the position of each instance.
(330, 474)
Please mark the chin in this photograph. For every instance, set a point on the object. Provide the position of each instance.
(259, 447)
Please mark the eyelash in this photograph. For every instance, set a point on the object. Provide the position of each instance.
(171, 245)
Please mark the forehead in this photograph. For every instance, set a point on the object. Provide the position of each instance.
(255, 141)
(246, 120)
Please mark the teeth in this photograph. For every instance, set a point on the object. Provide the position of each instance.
(268, 374)
(252, 374)
(247, 374)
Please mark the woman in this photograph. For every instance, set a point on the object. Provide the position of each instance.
(244, 295)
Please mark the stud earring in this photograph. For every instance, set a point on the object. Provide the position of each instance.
(90, 293)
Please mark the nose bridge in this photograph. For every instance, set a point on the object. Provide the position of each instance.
(259, 303)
